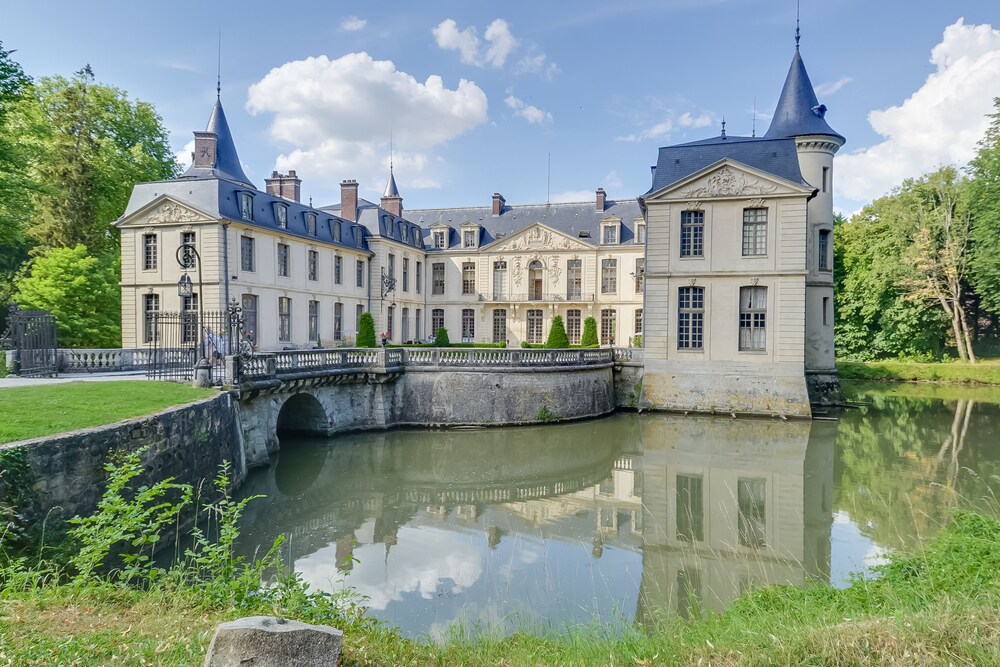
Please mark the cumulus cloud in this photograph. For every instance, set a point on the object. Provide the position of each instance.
(612, 180)
(530, 113)
(352, 24)
(573, 196)
(183, 156)
(662, 129)
(538, 63)
(938, 124)
(337, 115)
(499, 42)
(831, 87)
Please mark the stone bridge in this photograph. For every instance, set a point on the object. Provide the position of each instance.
(338, 390)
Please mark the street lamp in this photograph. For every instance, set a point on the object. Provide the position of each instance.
(187, 256)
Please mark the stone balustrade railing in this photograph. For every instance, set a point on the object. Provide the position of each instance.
(106, 360)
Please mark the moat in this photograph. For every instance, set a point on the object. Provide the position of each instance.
(628, 518)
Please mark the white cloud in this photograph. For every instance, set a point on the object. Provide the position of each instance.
(572, 196)
(500, 42)
(938, 124)
(530, 113)
(183, 156)
(352, 24)
(831, 87)
(612, 180)
(663, 128)
(688, 120)
(538, 63)
(337, 116)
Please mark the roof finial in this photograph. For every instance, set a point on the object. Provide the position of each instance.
(797, 35)
(723, 127)
(218, 78)
(390, 150)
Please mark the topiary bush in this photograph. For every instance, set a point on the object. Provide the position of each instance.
(589, 338)
(441, 338)
(557, 335)
(366, 330)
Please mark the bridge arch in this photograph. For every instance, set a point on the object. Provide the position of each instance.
(303, 413)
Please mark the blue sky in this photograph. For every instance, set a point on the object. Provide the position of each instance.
(482, 97)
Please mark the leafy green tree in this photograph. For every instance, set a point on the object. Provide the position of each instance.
(88, 145)
(441, 338)
(557, 334)
(366, 331)
(589, 338)
(80, 290)
(984, 202)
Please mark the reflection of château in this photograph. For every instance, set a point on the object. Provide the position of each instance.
(715, 506)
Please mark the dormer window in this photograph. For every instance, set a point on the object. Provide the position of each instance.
(470, 237)
(246, 205)
(416, 237)
(281, 215)
(609, 233)
(640, 232)
(357, 236)
(336, 231)
(439, 238)
(311, 224)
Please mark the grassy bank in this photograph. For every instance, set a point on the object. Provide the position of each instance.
(31, 412)
(940, 605)
(986, 372)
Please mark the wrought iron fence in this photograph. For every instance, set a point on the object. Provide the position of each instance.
(32, 335)
(178, 341)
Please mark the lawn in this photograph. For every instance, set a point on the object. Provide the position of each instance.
(31, 412)
(987, 371)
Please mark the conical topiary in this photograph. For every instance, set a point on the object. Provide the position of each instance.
(557, 334)
(441, 338)
(366, 330)
(589, 333)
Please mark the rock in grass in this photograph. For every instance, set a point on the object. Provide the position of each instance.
(266, 641)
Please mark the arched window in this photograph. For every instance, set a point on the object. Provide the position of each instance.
(535, 281)
(499, 325)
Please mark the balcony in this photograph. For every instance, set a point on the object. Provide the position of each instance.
(538, 297)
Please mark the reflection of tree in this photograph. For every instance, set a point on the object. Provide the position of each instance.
(904, 462)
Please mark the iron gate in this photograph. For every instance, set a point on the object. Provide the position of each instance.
(32, 334)
(177, 341)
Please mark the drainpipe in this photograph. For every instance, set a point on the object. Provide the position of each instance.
(225, 264)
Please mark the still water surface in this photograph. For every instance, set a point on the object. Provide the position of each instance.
(628, 518)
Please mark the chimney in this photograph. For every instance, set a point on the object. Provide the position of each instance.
(349, 200)
(286, 186)
(498, 202)
(601, 196)
(204, 149)
(393, 204)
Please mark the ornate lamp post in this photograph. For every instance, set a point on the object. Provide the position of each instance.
(388, 285)
(187, 256)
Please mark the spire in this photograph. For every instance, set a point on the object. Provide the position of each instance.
(798, 112)
(390, 188)
(227, 162)
(797, 33)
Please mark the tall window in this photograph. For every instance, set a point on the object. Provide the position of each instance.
(609, 234)
(469, 238)
(640, 232)
(609, 276)
(247, 259)
(690, 508)
(284, 318)
(640, 274)
(283, 259)
(437, 320)
(692, 233)
(359, 272)
(439, 238)
(573, 318)
(404, 329)
(499, 279)
(826, 177)
(638, 321)
(336, 231)
(150, 304)
(824, 250)
(536, 279)
(406, 274)
(281, 215)
(468, 325)
(313, 320)
(753, 318)
(313, 260)
(499, 325)
(468, 278)
(752, 500)
(188, 261)
(418, 278)
(574, 278)
(149, 255)
(826, 311)
(246, 205)
(534, 326)
(609, 324)
(189, 330)
(338, 269)
(249, 302)
(338, 321)
(690, 318)
(311, 224)
(437, 276)
(418, 326)
(392, 266)
(391, 322)
(754, 231)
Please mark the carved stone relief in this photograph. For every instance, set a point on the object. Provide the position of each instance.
(172, 212)
(554, 269)
(729, 183)
(756, 203)
(518, 266)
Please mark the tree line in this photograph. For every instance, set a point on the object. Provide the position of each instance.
(71, 150)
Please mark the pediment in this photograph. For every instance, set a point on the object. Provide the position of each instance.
(729, 179)
(537, 237)
(165, 210)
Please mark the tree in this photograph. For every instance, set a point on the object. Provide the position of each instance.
(366, 331)
(88, 145)
(589, 338)
(984, 203)
(557, 334)
(80, 290)
(441, 338)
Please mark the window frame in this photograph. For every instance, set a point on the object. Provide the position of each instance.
(246, 205)
(283, 260)
(437, 279)
(150, 252)
(468, 278)
(754, 238)
(312, 264)
(338, 269)
(691, 318)
(692, 234)
(609, 275)
(284, 319)
(248, 254)
(752, 333)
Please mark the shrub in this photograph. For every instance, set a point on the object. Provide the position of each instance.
(589, 338)
(366, 330)
(557, 334)
(441, 338)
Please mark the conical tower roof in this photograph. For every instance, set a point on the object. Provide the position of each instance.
(798, 111)
(390, 188)
(227, 162)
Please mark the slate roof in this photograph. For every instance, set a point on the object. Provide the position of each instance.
(773, 156)
(227, 162)
(798, 112)
(390, 188)
(380, 223)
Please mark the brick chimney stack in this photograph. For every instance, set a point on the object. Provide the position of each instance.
(349, 200)
(393, 204)
(287, 186)
(601, 197)
(205, 144)
(498, 203)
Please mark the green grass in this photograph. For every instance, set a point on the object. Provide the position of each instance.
(986, 372)
(31, 412)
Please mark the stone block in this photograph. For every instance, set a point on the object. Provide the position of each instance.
(266, 641)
